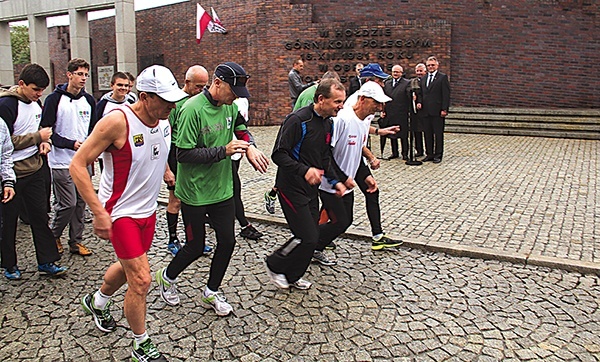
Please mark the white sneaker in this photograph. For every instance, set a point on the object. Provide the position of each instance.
(323, 259)
(168, 291)
(218, 302)
(301, 284)
(279, 280)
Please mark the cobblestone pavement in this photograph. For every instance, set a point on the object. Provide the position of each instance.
(525, 199)
(505, 198)
(405, 305)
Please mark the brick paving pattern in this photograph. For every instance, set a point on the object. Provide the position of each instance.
(511, 195)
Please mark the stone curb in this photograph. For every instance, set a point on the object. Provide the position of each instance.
(581, 267)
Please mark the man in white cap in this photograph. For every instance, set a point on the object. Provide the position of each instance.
(349, 139)
(135, 141)
(206, 126)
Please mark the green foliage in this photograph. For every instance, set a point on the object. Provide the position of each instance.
(19, 42)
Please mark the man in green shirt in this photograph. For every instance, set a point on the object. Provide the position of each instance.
(307, 96)
(206, 125)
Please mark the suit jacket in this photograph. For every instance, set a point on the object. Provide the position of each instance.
(396, 110)
(354, 85)
(436, 97)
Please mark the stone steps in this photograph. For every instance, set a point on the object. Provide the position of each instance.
(576, 123)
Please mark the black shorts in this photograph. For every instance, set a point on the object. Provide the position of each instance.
(172, 162)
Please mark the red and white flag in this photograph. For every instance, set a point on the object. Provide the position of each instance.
(202, 22)
(215, 26)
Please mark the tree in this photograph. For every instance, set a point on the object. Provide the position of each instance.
(19, 42)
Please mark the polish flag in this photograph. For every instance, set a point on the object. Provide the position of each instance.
(202, 22)
(215, 26)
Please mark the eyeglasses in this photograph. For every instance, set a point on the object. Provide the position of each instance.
(81, 74)
(431, 65)
(238, 80)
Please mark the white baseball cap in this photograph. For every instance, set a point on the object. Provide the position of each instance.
(160, 80)
(373, 90)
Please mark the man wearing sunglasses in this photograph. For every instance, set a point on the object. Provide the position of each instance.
(206, 125)
(71, 112)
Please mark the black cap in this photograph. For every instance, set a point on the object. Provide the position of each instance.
(235, 76)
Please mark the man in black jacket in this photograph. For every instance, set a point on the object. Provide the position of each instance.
(396, 110)
(302, 153)
(435, 88)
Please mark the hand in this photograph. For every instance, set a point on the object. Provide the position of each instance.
(45, 133)
(350, 184)
(443, 114)
(169, 177)
(382, 114)
(374, 163)
(236, 146)
(388, 130)
(77, 145)
(103, 225)
(44, 148)
(9, 193)
(419, 106)
(257, 159)
(371, 184)
(313, 176)
(340, 189)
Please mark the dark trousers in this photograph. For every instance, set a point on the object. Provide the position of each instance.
(194, 217)
(30, 192)
(434, 135)
(240, 214)
(303, 222)
(372, 204)
(340, 212)
(393, 143)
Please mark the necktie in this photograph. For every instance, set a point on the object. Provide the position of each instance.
(430, 79)
(395, 82)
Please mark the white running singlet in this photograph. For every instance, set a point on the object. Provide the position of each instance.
(133, 175)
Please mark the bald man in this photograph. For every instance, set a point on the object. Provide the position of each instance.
(196, 79)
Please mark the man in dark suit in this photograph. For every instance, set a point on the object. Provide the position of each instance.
(396, 110)
(435, 89)
(356, 82)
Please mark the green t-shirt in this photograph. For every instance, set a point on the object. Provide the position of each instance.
(173, 119)
(306, 97)
(202, 124)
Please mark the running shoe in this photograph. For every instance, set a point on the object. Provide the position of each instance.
(12, 273)
(102, 317)
(279, 280)
(301, 284)
(174, 246)
(270, 203)
(146, 352)
(207, 249)
(218, 302)
(168, 291)
(323, 259)
(52, 269)
(250, 232)
(385, 242)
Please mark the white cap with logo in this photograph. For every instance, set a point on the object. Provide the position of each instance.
(161, 81)
(373, 90)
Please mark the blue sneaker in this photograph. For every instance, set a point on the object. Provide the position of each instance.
(12, 273)
(207, 249)
(174, 247)
(52, 269)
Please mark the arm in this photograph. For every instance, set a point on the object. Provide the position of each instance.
(445, 96)
(6, 167)
(284, 155)
(110, 132)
